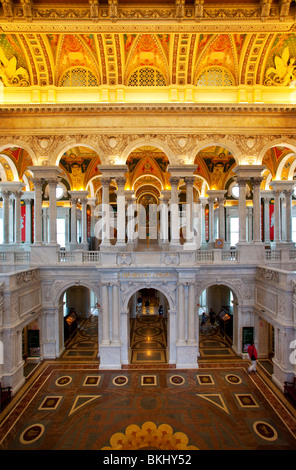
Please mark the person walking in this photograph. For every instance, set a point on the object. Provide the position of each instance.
(160, 312)
(253, 355)
(203, 320)
(212, 316)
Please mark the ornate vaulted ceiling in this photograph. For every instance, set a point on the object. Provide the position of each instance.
(176, 51)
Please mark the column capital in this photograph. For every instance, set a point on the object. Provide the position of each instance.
(174, 180)
(120, 181)
(11, 186)
(105, 181)
(189, 180)
(256, 180)
(78, 194)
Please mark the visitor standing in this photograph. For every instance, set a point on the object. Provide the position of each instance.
(253, 355)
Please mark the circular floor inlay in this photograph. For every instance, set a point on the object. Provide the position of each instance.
(233, 379)
(177, 380)
(32, 434)
(120, 380)
(62, 381)
(265, 430)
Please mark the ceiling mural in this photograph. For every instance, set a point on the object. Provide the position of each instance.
(79, 165)
(40, 59)
(215, 165)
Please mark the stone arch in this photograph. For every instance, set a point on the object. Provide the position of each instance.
(11, 165)
(231, 146)
(153, 142)
(201, 286)
(61, 289)
(280, 141)
(23, 145)
(281, 166)
(143, 176)
(136, 287)
(55, 160)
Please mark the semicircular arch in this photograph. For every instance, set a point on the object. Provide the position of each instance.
(205, 285)
(23, 145)
(152, 143)
(60, 290)
(74, 143)
(136, 287)
(230, 146)
(276, 143)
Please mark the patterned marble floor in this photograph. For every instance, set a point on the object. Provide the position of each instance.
(218, 406)
(70, 404)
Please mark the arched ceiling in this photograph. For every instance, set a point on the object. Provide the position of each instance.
(88, 59)
(123, 43)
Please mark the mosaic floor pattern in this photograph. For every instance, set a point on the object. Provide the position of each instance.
(218, 406)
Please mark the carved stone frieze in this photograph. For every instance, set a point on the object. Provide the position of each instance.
(268, 275)
(27, 276)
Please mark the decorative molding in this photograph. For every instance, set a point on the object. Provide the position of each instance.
(190, 108)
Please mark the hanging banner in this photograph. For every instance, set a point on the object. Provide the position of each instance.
(262, 222)
(88, 218)
(271, 221)
(206, 224)
(23, 221)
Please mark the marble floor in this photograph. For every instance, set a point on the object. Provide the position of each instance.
(71, 404)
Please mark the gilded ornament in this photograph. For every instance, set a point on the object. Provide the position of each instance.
(283, 72)
(10, 74)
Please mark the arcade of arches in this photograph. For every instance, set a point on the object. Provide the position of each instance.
(148, 175)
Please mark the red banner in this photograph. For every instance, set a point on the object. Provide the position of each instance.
(23, 221)
(207, 224)
(271, 221)
(88, 218)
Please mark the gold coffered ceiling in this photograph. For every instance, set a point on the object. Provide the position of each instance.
(175, 51)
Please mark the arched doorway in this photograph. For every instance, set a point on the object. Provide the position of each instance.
(148, 327)
(216, 337)
(78, 321)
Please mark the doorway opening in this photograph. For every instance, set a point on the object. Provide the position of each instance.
(78, 308)
(149, 318)
(30, 347)
(219, 303)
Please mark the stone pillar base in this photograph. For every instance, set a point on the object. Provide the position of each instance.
(186, 356)
(44, 254)
(110, 356)
(251, 253)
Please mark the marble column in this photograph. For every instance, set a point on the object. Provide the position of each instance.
(181, 313)
(277, 215)
(288, 195)
(121, 216)
(38, 182)
(189, 181)
(52, 183)
(83, 201)
(191, 313)
(105, 212)
(174, 210)
(266, 201)
(74, 201)
(5, 197)
(242, 208)
(27, 197)
(115, 313)
(211, 201)
(204, 202)
(17, 216)
(105, 316)
(131, 234)
(164, 218)
(256, 209)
